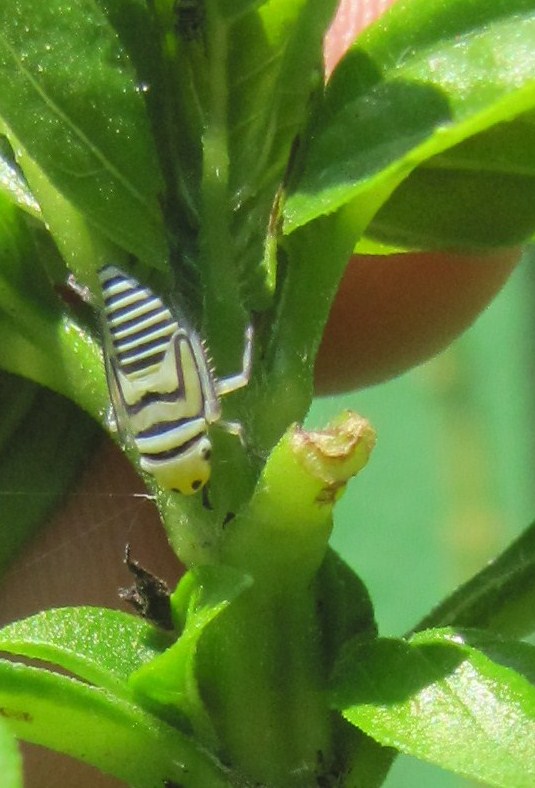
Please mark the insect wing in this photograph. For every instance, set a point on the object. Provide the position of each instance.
(118, 418)
(174, 444)
(157, 384)
(162, 385)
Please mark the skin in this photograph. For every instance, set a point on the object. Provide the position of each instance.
(394, 312)
(390, 314)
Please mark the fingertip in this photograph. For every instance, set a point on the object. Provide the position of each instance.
(394, 312)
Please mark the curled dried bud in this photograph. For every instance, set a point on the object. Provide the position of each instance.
(336, 453)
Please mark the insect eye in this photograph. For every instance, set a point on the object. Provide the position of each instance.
(206, 453)
(196, 484)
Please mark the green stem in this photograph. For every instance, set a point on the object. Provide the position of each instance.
(265, 698)
(306, 297)
(262, 668)
(192, 530)
(224, 314)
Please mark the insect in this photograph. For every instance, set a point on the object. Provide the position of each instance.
(163, 390)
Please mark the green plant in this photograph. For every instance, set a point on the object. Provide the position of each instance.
(165, 133)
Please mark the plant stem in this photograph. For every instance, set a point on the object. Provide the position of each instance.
(261, 664)
(266, 702)
(224, 314)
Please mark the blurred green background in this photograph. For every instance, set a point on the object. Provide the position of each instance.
(452, 479)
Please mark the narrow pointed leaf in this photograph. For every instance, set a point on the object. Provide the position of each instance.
(500, 598)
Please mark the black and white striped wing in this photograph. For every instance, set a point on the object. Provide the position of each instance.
(158, 379)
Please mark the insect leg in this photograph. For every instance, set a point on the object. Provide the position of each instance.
(111, 419)
(226, 385)
(233, 428)
(82, 291)
(206, 502)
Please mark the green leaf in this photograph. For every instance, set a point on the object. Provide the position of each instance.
(89, 724)
(44, 442)
(307, 291)
(515, 654)
(100, 646)
(235, 8)
(13, 186)
(39, 338)
(500, 598)
(136, 25)
(16, 401)
(344, 606)
(422, 80)
(26, 297)
(244, 79)
(275, 65)
(71, 367)
(481, 193)
(202, 594)
(441, 700)
(345, 611)
(71, 99)
(10, 760)
(169, 681)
